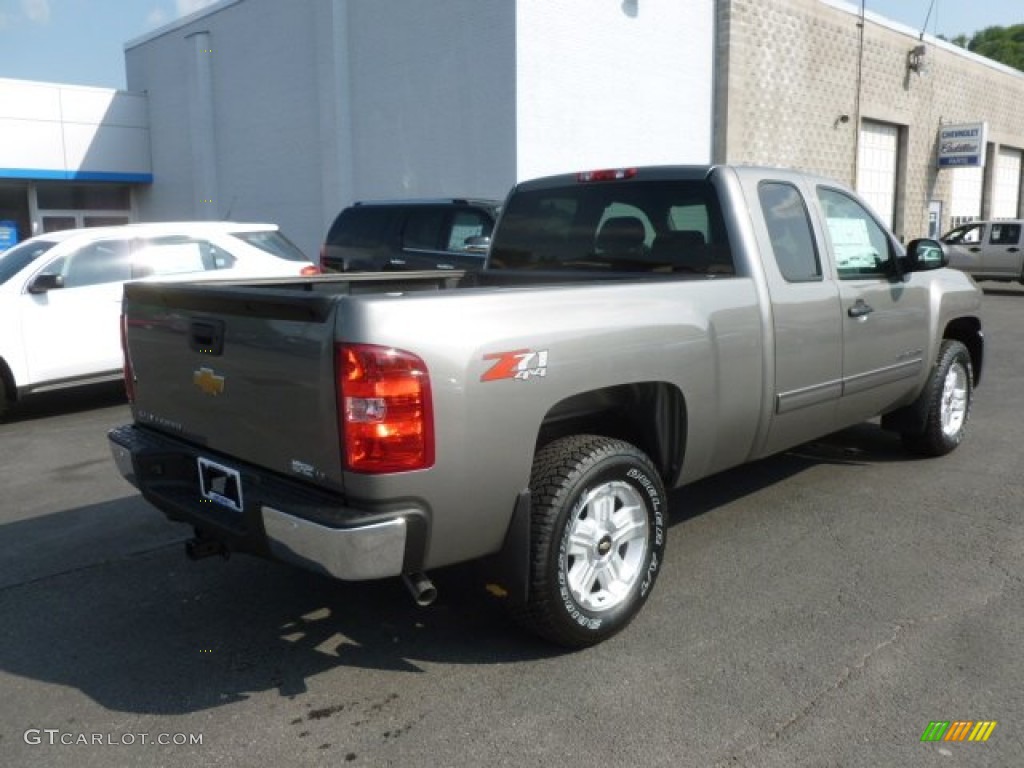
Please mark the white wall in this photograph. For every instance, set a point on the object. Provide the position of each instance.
(317, 104)
(53, 131)
(433, 98)
(303, 108)
(241, 144)
(610, 83)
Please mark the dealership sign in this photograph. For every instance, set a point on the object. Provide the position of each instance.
(962, 146)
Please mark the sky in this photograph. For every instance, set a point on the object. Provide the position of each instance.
(81, 42)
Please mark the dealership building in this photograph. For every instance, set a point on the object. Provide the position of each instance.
(287, 112)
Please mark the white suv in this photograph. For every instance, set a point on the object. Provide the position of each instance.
(60, 293)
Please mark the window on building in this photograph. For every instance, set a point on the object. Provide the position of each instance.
(81, 197)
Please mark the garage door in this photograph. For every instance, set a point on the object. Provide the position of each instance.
(965, 195)
(1006, 186)
(876, 167)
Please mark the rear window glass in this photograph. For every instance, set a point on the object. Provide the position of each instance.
(273, 242)
(15, 259)
(655, 226)
(360, 227)
(423, 228)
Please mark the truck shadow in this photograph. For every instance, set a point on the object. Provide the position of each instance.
(138, 628)
(862, 444)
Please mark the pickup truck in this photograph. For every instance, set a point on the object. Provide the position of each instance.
(634, 330)
(988, 250)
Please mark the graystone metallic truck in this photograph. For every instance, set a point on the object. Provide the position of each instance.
(635, 330)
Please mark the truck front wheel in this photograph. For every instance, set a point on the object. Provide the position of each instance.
(948, 393)
(598, 516)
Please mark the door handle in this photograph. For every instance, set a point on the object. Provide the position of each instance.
(974, 250)
(1013, 250)
(860, 309)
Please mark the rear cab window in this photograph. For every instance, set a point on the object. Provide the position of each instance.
(656, 225)
(789, 230)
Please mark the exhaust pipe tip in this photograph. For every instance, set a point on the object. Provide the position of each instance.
(421, 588)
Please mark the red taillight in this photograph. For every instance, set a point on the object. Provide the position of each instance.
(384, 409)
(312, 269)
(609, 174)
(129, 374)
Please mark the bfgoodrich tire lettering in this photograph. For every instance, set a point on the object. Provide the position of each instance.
(949, 393)
(597, 538)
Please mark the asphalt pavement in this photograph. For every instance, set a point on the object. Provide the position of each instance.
(819, 608)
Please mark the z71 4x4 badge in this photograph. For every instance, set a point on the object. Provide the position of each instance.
(521, 364)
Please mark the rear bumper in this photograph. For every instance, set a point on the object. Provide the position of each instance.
(280, 519)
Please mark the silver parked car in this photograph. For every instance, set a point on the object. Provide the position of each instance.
(988, 250)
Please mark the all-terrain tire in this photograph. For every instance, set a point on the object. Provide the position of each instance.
(598, 530)
(949, 394)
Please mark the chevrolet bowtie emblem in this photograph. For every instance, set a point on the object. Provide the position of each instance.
(208, 381)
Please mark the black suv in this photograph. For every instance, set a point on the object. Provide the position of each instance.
(410, 234)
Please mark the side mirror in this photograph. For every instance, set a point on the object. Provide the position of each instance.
(925, 254)
(477, 244)
(44, 283)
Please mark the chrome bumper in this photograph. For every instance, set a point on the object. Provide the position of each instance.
(370, 552)
(359, 547)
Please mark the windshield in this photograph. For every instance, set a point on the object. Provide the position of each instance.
(15, 259)
(650, 226)
(272, 242)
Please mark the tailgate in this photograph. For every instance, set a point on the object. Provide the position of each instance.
(244, 371)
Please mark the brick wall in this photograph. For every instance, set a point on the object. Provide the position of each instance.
(788, 72)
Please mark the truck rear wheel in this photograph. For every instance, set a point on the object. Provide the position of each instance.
(597, 538)
(949, 392)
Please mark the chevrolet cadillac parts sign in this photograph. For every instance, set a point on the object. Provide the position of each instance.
(963, 145)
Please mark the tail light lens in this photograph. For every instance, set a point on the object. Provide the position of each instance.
(129, 374)
(384, 408)
(312, 269)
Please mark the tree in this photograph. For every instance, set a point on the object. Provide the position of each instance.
(1002, 44)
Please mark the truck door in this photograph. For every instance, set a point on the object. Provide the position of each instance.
(963, 246)
(73, 331)
(805, 318)
(885, 322)
(1001, 254)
